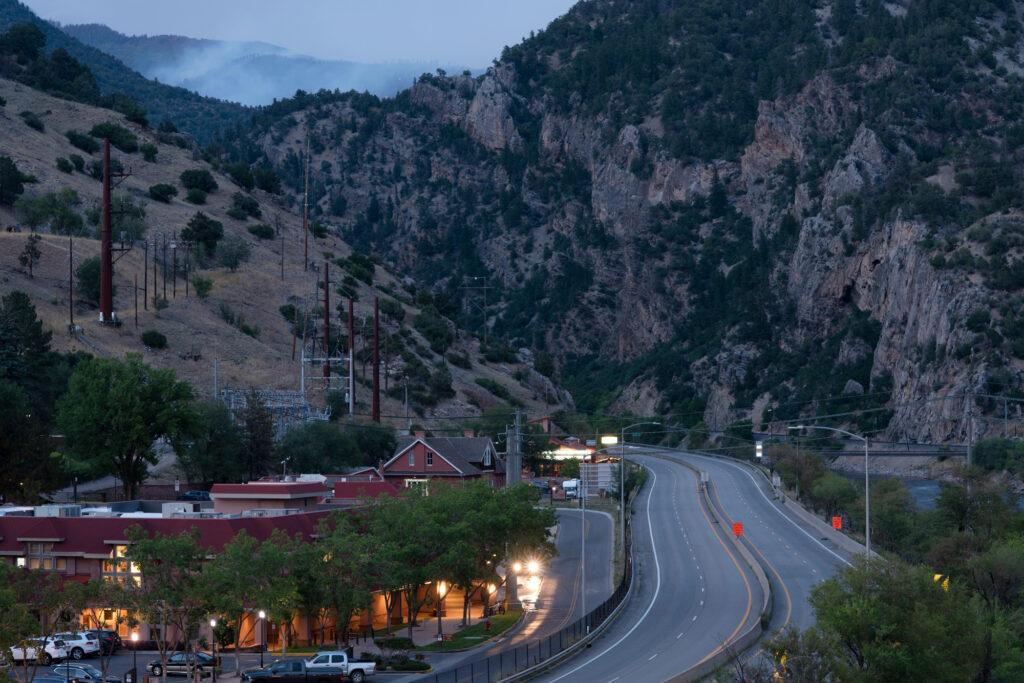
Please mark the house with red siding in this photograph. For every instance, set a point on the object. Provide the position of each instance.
(420, 458)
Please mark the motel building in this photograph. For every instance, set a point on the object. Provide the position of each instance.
(81, 543)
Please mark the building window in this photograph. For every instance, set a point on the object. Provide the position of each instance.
(117, 569)
(487, 458)
(19, 561)
(430, 459)
(421, 486)
(412, 458)
(40, 556)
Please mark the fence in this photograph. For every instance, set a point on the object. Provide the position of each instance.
(513, 660)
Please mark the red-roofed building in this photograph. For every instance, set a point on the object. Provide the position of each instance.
(349, 493)
(233, 499)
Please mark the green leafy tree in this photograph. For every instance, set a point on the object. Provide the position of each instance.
(114, 412)
(214, 451)
(232, 252)
(173, 592)
(198, 179)
(249, 575)
(12, 181)
(346, 559)
(203, 230)
(570, 468)
(88, 275)
(25, 464)
(318, 447)
(30, 255)
(834, 493)
(258, 426)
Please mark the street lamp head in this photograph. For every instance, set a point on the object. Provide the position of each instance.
(135, 637)
(261, 614)
(533, 566)
(517, 567)
(213, 623)
(442, 588)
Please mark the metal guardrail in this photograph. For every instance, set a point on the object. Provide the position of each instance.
(536, 654)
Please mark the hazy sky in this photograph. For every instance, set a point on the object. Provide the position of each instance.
(463, 32)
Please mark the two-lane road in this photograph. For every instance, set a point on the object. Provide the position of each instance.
(692, 595)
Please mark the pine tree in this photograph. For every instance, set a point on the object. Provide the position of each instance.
(259, 435)
(30, 254)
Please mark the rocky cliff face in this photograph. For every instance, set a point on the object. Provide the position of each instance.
(764, 249)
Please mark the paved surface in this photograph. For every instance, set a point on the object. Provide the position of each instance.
(558, 600)
(692, 595)
(794, 557)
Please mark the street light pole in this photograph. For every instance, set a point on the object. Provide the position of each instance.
(867, 481)
(213, 639)
(622, 483)
(135, 657)
(440, 597)
(263, 634)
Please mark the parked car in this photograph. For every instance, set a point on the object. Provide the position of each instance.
(81, 672)
(110, 642)
(45, 678)
(42, 650)
(80, 644)
(184, 664)
(326, 667)
(195, 495)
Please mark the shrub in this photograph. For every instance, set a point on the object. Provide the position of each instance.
(499, 390)
(78, 161)
(198, 179)
(149, 151)
(266, 179)
(96, 168)
(195, 196)
(391, 309)
(395, 643)
(242, 175)
(232, 252)
(318, 230)
(88, 276)
(203, 286)
(235, 212)
(32, 120)
(435, 329)
(154, 339)
(65, 165)
(261, 231)
(160, 303)
(459, 359)
(162, 192)
(246, 204)
(409, 665)
(119, 136)
(204, 230)
(82, 141)
(11, 181)
(3, 102)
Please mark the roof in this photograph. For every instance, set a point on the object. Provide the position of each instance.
(465, 453)
(270, 489)
(355, 490)
(93, 536)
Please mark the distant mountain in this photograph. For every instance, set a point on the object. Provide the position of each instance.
(251, 73)
(198, 115)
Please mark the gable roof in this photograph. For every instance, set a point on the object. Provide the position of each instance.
(465, 453)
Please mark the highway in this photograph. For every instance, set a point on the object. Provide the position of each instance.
(794, 557)
(693, 594)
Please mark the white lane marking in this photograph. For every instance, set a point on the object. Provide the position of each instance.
(694, 618)
(652, 656)
(679, 636)
(654, 598)
(784, 515)
(613, 679)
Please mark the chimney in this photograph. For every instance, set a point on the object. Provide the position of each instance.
(468, 432)
(420, 434)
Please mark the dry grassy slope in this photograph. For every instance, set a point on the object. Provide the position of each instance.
(193, 326)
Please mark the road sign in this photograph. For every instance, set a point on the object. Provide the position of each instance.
(737, 529)
(837, 522)
(759, 449)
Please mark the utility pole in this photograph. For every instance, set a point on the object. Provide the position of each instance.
(305, 211)
(188, 259)
(106, 256)
(408, 422)
(163, 243)
(71, 282)
(174, 268)
(280, 232)
(145, 275)
(136, 290)
(155, 250)
(327, 326)
(970, 429)
(376, 359)
(351, 359)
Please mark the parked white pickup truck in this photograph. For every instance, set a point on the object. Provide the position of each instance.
(338, 663)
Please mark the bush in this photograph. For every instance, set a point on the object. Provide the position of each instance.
(78, 162)
(232, 252)
(149, 151)
(154, 339)
(409, 665)
(195, 196)
(32, 120)
(266, 179)
(435, 329)
(261, 231)
(203, 286)
(395, 643)
(235, 212)
(246, 205)
(82, 141)
(318, 230)
(88, 276)
(198, 179)
(119, 136)
(242, 175)
(499, 390)
(162, 192)
(204, 230)
(459, 359)
(65, 165)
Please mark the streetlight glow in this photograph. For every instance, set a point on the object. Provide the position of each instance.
(517, 567)
(135, 637)
(213, 623)
(533, 566)
(609, 440)
(261, 614)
